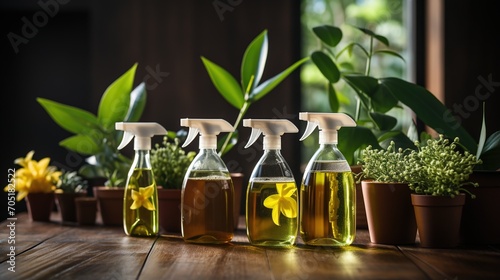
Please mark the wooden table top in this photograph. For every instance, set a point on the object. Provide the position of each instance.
(55, 251)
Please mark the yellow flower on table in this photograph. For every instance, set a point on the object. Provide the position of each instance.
(34, 177)
(141, 198)
(282, 202)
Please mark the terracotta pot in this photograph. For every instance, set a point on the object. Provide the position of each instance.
(438, 219)
(110, 205)
(361, 221)
(389, 213)
(479, 217)
(40, 206)
(66, 206)
(169, 201)
(86, 210)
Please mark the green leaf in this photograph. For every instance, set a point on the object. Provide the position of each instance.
(482, 134)
(429, 109)
(70, 118)
(492, 142)
(225, 83)
(265, 87)
(382, 100)
(350, 48)
(328, 34)
(389, 52)
(332, 98)
(383, 121)
(137, 103)
(491, 152)
(81, 144)
(376, 36)
(326, 66)
(354, 138)
(254, 61)
(115, 101)
(400, 140)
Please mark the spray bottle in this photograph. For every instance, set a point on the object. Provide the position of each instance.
(327, 196)
(271, 202)
(140, 202)
(207, 191)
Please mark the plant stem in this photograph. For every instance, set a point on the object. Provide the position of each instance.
(243, 111)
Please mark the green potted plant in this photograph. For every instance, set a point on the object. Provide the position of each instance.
(379, 102)
(170, 162)
(478, 226)
(68, 188)
(245, 93)
(386, 195)
(437, 173)
(95, 137)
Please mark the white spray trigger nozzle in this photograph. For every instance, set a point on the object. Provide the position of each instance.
(142, 131)
(311, 126)
(327, 123)
(193, 132)
(272, 130)
(208, 130)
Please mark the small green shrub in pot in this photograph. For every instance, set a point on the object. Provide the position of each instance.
(386, 194)
(386, 166)
(439, 168)
(170, 162)
(71, 182)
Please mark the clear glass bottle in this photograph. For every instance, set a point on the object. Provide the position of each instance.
(207, 193)
(327, 191)
(140, 200)
(140, 205)
(272, 194)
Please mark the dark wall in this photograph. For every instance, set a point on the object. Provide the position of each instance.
(472, 63)
(80, 47)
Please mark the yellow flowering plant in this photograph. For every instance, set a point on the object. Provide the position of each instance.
(34, 176)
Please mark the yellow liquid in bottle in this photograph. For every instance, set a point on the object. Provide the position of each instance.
(262, 199)
(141, 221)
(328, 216)
(207, 213)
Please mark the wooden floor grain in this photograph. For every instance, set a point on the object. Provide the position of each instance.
(55, 251)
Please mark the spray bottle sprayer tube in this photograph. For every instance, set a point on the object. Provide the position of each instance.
(271, 201)
(207, 191)
(328, 196)
(140, 207)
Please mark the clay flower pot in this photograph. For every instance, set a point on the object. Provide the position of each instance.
(389, 213)
(40, 206)
(86, 210)
(110, 205)
(66, 205)
(438, 219)
(169, 201)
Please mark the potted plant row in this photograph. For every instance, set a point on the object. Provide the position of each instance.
(431, 179)
(380, 110)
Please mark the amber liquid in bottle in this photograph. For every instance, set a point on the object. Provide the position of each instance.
(327, 216)
(141, 221)
(261, 228)
(207, 214)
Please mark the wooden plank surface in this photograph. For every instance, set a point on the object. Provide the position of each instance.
(55, 251)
